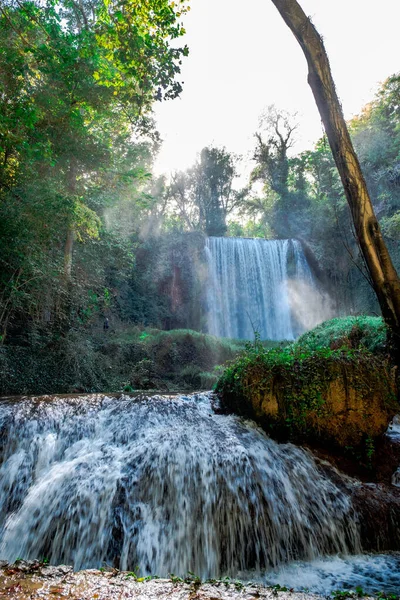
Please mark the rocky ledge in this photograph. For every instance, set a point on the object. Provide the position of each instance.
(33, 580)
(334, 398)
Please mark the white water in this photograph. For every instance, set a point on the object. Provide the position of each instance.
(372, 572)
(248, 287)
(163, 485)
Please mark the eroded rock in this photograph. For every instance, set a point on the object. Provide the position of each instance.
(345, 399)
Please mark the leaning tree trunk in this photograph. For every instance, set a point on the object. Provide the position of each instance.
(384, 277)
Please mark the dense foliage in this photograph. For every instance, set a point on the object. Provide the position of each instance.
(78, 81)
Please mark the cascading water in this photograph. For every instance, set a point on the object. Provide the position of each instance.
(248, 287)
(162, 484)
(303, 271)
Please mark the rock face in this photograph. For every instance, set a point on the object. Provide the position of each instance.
(342, 399)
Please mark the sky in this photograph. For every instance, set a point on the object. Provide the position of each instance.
(244, 58)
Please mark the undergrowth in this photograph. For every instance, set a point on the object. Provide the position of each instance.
(127, 360)
(351, 332)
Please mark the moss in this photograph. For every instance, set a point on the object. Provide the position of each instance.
(352, 332)
(290, 391)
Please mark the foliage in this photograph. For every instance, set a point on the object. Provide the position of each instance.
(128, 359)
(78, 81)
(77, 142)
(203, 196)
(351, 332)
(283, 178)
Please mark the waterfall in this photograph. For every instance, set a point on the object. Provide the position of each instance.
(160, 484)
(248, 287)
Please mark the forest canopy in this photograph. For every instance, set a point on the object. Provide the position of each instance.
(78, 82)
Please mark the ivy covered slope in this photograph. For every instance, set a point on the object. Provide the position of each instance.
(333, 386)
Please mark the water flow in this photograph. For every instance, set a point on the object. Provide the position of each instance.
(248, 287)
(303, 271)
(162, 484)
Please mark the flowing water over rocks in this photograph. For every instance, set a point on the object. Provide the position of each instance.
(163, 484)
(248, 286)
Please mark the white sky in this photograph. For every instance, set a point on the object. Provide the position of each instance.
(243, 57)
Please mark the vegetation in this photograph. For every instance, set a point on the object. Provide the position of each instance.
(129, 359)
(88, 233)
(293, 391)
(78, 81)
(363, 332)
(102, 265)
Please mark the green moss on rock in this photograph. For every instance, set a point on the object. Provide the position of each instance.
(351, 332)
(342, 396)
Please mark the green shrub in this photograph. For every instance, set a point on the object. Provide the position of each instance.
(352, 332)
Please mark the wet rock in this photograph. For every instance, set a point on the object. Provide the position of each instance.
(59, 571)
(52, 583)
(378, 509)
(343, 400)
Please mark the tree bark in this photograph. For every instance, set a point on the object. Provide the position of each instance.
(384, 277)
(69, 242)
(69, 245)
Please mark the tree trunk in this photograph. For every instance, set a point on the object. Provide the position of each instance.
(384, 277)
(69, 245)
(69, 242)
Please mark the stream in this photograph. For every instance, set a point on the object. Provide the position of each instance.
(164, 485)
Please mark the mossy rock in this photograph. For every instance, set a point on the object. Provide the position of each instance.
(363, 331)
(343, 398)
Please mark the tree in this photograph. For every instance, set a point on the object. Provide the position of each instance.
(384, 277)
(284, 183)
(78, 80)
(214, 175)
(271, 156)
(204, 195)
(81, 66)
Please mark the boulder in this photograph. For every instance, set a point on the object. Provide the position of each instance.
(341, 398)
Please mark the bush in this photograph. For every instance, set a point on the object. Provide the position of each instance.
(350, 332)
(131, 359)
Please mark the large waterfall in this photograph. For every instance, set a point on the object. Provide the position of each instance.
(163, 485)
(248, 288)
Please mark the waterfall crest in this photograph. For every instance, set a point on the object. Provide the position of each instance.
(163, 484)
(248, 286)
